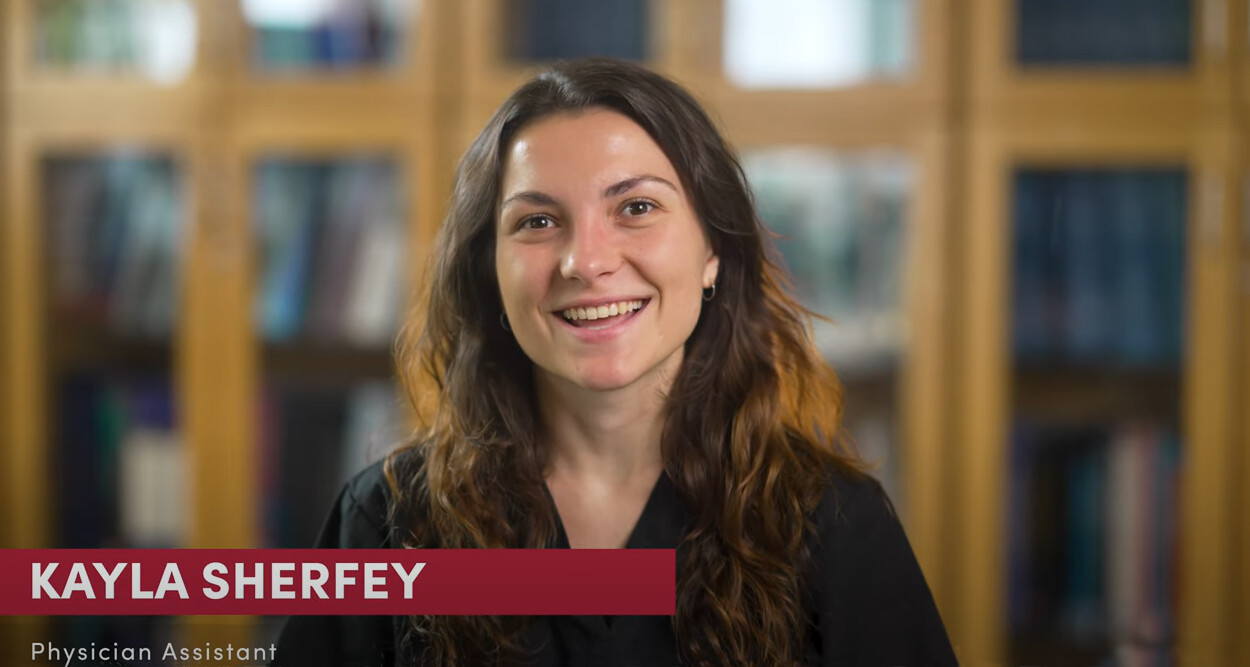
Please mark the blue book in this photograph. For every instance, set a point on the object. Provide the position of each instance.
(1170, 249)
(287, 215)
(1084, 617)
(1030, 319)
(1162, 605)
(82, 518)
(346, 36)
(1138, 338)
(1019, 545)
(1086, 277)
(112, 225)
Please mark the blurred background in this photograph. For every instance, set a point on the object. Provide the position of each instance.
(1028, 222)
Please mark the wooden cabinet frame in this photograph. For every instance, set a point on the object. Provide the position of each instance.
(486, 77)
(1242, 583)
(1207, 409)
(873, 111)
(998, 83)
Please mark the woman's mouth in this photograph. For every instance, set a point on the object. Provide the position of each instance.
(603, 315)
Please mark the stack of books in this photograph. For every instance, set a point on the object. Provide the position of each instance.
(1099, 266)
(842, 229)
(1092, 534)
(114, 233)
(332, 236)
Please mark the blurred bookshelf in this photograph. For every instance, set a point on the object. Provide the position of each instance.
(115, 38)
(1098, 317)
(501, 43)
(328, 297)
(841, 219)
(112, 226)
(1108, 33)
(342, 36)
(1027, 221)
(1101, 197)
(1072, 59)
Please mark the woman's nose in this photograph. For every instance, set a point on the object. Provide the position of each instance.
(590, 251)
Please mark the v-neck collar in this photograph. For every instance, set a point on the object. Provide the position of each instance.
(661, 525)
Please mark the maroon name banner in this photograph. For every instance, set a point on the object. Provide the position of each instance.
(105, 582)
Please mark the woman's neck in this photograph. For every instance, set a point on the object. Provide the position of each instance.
(613, 436)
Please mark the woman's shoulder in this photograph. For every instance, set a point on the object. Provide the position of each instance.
(361, 516)
(852, 498)
(872, 603)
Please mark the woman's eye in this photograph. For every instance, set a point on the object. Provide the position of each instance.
(536, 222)
(639, 207)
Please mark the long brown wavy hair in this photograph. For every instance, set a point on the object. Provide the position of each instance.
(751, 431)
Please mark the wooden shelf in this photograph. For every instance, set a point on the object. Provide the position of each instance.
(1084, 395)
(318, 363)
(871, 392)
(96, 349)
(1043, 650)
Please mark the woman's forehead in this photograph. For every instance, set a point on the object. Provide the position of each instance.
(583, 147)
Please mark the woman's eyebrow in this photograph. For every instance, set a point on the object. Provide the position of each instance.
(531, 196)
(629, 183)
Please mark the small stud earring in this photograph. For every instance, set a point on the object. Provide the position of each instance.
(709, 293)
(503, 321)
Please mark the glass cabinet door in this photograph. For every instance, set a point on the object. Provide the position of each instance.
(540, 31)
(1103, 33)
(1096, 503)
(1080, 56)
(112, 224)
(327, 35)
(814, 44)
(331, 238)
(841, 217)
(855, 51)
(502, 43)
(156, 40)
(1098, 318)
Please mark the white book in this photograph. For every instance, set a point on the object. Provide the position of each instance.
(377, 287)
(152, 488)
(1127, 548)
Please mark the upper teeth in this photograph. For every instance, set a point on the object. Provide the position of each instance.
(595, 313)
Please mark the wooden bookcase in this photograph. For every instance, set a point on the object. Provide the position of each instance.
(964, 118)
(215, 123)
(485, 75)
(1069, 117)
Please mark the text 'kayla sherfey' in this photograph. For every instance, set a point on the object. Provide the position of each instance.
(285, 581)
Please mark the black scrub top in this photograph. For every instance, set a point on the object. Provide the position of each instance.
(869, 601)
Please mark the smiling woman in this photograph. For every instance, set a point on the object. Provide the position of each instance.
(615, 364)
(591, 220)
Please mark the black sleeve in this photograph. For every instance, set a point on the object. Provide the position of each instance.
(356, 521)
(872, 604)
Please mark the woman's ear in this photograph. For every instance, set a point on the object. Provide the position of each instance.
(711, 270)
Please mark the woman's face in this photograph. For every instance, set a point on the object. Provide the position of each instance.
(601, 260)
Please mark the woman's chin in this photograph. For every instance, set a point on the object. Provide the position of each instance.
(605, 381)
(604, 376)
